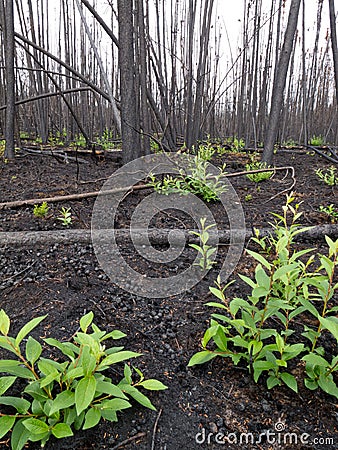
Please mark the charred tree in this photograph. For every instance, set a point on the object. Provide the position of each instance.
(280, 81)
(334, 48)
(129, 120)
(10, 79)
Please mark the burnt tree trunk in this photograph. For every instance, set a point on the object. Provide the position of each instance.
(129, 123)
(280, 81)
(10, 79)
(334, 48)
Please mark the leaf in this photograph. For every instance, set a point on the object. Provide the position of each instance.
(8, 343)
(248, 281)
(315, 360)
(20, 404)
(201, 357)
(35, 391)
(92, 418)
(259, 258)
(62, 401)
(137, 395)
(127, 373)
(115, 334)
(260, 366)
(62, 430)
(4, 323)
(272, 381)
(284, 270)
(328, 385)
(290, 381)
(79, 421)
(84, 393)
(88, 361)
(28, 328)
(6, 423)
(63, 347)
(19, 436)
(6, 383)
(263, 280)
(117, 357)
(109, 414)
(73, 373)
(33, 350)
(153, 385)
(330, 324)
(36, 426)
(117, 404)
(86, 320)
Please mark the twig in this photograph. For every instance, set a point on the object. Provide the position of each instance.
(62, 198)
(19, 273)
(155, 429)
(97, 306)
(123, 443)
(287, 189)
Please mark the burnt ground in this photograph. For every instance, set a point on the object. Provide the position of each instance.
(66, 280)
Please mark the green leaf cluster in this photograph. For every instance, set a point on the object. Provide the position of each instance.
(328, 176)
(68, 393)
(196, 178)
(290, 286)
(205, 251)
(41, 210)
(258, 176)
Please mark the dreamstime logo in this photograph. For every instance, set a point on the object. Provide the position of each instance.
(105, 237)
(277, 436)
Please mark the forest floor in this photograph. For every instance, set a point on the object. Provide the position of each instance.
(65, 280)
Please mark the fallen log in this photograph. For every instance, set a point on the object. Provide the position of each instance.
(151, 236)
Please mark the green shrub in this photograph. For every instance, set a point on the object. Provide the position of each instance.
(41, 210)
(259, 176)
(330, 211)
(317, 141)
(258, 329)
(206, 251)
(196, 178)
(68, 393)
(328, 176)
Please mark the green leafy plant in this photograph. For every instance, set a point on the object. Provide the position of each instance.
(41, 210)
(205, 151)
(259, 176)
(155, 146)
(59, 138)
(196, 178)
(289, 143)
(60, 397)
(317, 141)
(258, 329)
(330, 211)
(66, 216)
(107, 139)
(329, 176)
(205, 261)
(79, 141)
(24, 135)
(248, 198)
(236, 145)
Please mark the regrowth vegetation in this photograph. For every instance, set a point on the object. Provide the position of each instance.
(258, 329)
(60, 397)
(196, 178)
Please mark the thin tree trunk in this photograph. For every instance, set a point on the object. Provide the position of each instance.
(279, 82)
(129, 122)
(10, 80)
(334, 51)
